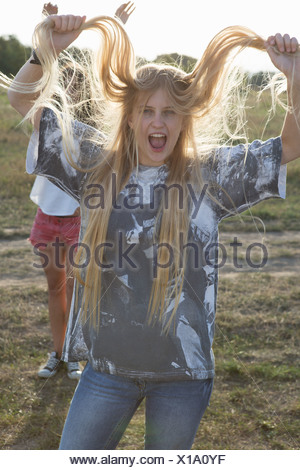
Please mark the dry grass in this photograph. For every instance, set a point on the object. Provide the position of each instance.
(254, 403)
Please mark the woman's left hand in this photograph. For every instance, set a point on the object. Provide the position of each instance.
(284, 52)
(124, 11)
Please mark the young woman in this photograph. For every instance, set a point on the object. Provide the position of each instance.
(153, 181)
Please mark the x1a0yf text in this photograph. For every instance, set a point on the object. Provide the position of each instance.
(200, 459)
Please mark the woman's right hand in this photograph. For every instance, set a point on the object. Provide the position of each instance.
(65, 29)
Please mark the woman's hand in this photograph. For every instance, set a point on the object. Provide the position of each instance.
(49, 9)
(65, 29)
(124, 11)
(285, 54)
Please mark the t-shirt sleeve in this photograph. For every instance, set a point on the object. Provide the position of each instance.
(46, 155)
(246, 175)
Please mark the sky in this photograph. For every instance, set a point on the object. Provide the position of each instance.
(166, 26)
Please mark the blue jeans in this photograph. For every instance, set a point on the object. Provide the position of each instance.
(104, 404)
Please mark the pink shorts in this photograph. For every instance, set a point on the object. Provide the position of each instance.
(46, 228)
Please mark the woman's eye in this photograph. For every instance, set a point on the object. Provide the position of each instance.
(169, 112)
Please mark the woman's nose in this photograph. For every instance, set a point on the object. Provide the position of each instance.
(157, 119)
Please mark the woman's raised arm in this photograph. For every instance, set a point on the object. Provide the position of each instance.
(285, 55)
(63, 30)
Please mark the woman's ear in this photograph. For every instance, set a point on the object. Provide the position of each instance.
(129, 121)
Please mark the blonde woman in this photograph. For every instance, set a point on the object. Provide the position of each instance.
(153, 181)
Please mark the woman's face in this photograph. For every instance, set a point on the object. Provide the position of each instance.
(156, 126)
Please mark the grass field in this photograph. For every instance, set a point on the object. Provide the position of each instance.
(255, 403)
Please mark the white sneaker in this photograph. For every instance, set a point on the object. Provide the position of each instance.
(74, 371)
(52, 366)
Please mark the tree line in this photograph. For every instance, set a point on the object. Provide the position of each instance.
(13, 55)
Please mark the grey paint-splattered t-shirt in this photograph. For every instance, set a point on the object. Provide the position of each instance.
(125, 344)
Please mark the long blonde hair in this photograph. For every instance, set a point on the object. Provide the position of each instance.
(207, 98)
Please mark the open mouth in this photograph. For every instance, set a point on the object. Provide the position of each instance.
(157, 141)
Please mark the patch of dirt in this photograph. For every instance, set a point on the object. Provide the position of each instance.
(242, 252)
(276, 253)
(17, 261)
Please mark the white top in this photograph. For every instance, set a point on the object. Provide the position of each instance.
(51, 199)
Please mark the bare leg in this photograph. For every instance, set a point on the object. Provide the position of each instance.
(69, 283)
(57, 294)
(60, 290)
